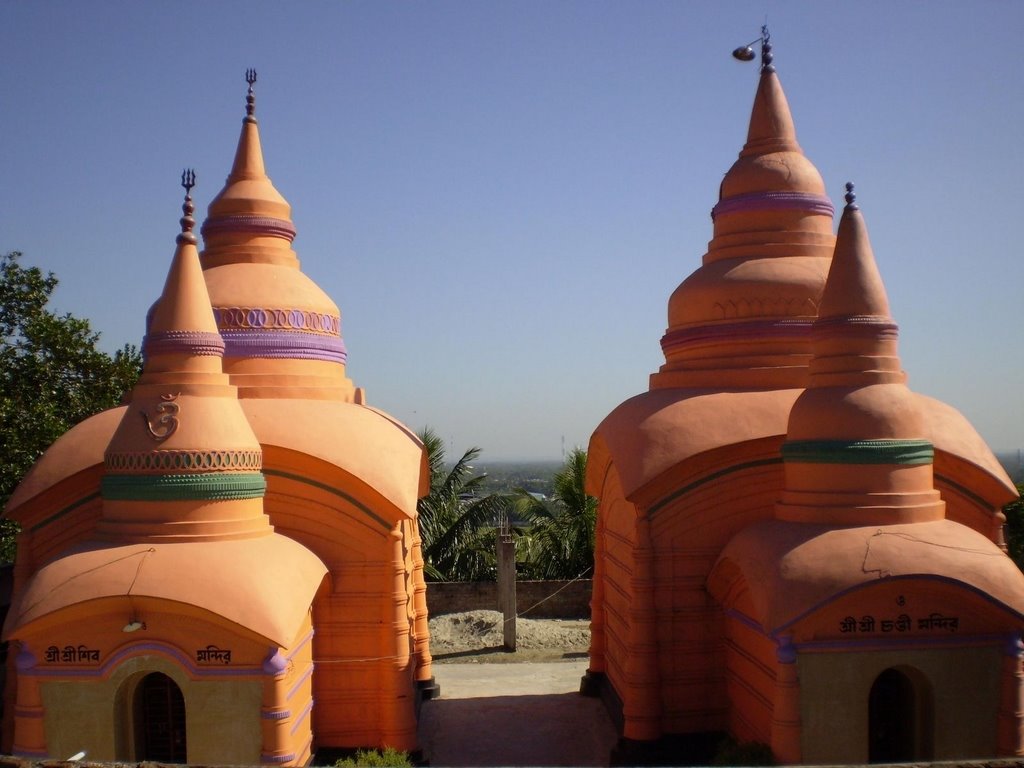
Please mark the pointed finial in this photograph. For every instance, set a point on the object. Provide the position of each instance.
(250, 97)
(851, 198)
(766, 50)
(188, 180)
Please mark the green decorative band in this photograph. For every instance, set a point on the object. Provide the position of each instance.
(206, 487)
(859, 451)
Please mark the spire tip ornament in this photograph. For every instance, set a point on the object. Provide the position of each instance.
(746, 52)
(188, 180)
(250, 97)
(851, 198)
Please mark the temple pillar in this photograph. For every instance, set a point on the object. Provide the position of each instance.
(29, 734)
(1010, 728)
(641, 699)
(429, 689)
(785, 734)
(23, 567)
(275, 717)
(590, 685)
(398, 713)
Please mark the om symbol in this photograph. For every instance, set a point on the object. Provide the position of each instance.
(167, 421)
(901, 601)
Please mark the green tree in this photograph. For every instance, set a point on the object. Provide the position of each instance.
(1014, 528)
(456, 519)
(51, 373)
(558, 540)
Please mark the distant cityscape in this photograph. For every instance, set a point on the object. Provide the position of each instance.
(1013, 463)
(536, 476)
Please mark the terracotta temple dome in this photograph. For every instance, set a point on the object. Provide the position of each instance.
(792, 547)
(227, 569)
(282, 332)
(751, 303)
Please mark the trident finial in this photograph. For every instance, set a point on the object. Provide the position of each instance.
(188, 180)
(250, 97)
(851, 198)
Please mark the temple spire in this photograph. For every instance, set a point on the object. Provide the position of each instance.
(771, 123)
(181, 333)
(854, 287)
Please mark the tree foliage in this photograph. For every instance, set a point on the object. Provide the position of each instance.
(558, 540)
(51, 373)
(1014, 528)
(456, 519)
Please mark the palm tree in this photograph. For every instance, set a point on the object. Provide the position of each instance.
(559, 540)
(456, 521)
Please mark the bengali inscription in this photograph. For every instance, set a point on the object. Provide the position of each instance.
(70, 654)
(211, 654)
(901, 623)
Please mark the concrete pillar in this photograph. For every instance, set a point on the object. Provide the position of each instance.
(507, 585)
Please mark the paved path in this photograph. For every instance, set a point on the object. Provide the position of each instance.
(515, 715)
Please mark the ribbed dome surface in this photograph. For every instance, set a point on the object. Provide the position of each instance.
(855, 449)
(750, 305)
(282, 332)
(184, 441)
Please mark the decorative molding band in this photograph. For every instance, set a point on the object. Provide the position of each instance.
(276, 319)
(756, 329)
(268, 758)
(775, 201)
(212, 486)
(284, 344)
(872, 326)
(184, 461)
(256, 225)
(903, 452)
(201, 343)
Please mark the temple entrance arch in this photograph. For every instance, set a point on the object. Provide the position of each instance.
(900, 717)
(158, 715)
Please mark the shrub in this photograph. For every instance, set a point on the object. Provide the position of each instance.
(731, 752)
(386, 758)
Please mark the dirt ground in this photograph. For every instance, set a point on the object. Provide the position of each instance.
(476, 636)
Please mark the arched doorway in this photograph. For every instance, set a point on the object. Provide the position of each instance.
(899, 717)
(159, 714)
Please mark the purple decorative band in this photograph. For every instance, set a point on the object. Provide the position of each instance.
(871, 326)
(774, 201)
(275, 664)
(238, 318)
(256, 225)
(758, 329)
(285, 344)
(268, 758)
(182, 342)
